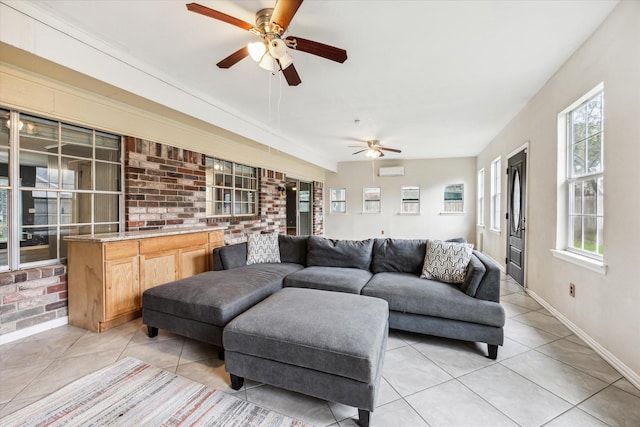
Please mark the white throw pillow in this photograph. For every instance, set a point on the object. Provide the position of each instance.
(262, 248)
(446, 261)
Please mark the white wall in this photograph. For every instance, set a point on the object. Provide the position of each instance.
(605, 310)
(431, 175)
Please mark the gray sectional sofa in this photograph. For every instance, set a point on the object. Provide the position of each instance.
(200, 306)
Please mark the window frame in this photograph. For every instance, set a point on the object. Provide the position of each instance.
(239, 173)
(496, 194)
(404, 201)
(367, 202)
(335, 201)
(480, 199)
(583, 179)
(49, 188)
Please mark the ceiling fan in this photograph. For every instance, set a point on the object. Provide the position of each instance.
(271, 51)
(374, 149)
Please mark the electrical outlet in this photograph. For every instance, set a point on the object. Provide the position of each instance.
(572, 290)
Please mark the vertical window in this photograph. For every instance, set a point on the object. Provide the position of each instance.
(232, 189)
(338, 199)
(371, 200)
(495, 194)
(66, 181)
(410, 200)
(453, 198)
(480, 202)
(585, 138)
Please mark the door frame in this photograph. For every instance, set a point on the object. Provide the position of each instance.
(527, 148)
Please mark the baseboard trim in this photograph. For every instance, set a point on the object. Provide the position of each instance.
(32, 330)
(618, 365)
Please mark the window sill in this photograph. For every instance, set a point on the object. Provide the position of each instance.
(409, 213)
(582, 261)
(451, 213)
(370, 213)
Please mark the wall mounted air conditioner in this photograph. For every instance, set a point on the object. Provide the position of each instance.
(391, 171)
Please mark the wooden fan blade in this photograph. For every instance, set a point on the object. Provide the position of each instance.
(283, 13)
(203, 10)
(234, 58)
(361, 151)
(319, 49)
(291, 74)
(391, 149)
(381, 154)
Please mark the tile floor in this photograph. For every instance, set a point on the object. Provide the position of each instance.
(544, 375)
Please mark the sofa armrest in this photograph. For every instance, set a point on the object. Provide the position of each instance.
(489, 288)
(230, 256)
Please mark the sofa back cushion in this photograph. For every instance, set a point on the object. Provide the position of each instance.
(339, 253)
(230, 256)
(293, 249)
(398, 255)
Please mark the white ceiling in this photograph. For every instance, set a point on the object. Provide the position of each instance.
(432, 78)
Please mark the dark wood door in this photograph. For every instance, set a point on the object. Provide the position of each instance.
(516, 221)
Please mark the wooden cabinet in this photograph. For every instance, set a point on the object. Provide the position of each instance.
(106, 278)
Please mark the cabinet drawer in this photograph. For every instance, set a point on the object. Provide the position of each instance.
(123, 249)
(158, 244)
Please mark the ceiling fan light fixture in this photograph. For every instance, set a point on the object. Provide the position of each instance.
(373, 153)
(277, 48)
(286, 60)
(256, 50)
(269, 63)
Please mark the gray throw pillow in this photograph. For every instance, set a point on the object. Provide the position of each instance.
(262, 248)
(475, 273)
(446, 261)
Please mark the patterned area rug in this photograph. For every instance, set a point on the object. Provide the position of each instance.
(133, 393)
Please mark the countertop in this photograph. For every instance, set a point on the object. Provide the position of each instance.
(131, 235)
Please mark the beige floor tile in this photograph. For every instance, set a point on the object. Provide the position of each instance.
(510, 348)
(615, 407)
(453, 405)
(543, 322)
(65, 370)
(193, 351)
(209, 372)
(295, 405)
(575, 418)
(394, 414)
(582, 358)
(159, 354)
(31, 352)
(408, 371)
(520, 399)
(14, 380)
(559, 378)
(522, 300)
(16, 404)
(453, 356)
(528, 335)
(511, 310)
(625, 385)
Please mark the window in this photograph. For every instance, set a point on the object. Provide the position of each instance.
(453, 198)
(585, 137)
(338, 199)
(495, 194)
(371, 200)
(480, 202)
(232, 189)
(410, 200)
(56, 180)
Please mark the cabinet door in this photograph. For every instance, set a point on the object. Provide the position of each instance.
(158, 268)
(193, 260)
(122, 287)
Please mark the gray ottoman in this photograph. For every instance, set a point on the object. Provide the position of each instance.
(325, 344)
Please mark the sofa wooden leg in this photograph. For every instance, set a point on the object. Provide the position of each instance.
(236, 382)
(493, 351)
(363, 417)
(151, 331)
(220, 353)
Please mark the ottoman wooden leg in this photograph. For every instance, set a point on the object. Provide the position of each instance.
(363, 417)
(236, 382)
(220, 353)
(493, 351)
(151, 331)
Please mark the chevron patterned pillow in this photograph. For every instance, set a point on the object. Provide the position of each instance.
(263, 248)
(446, 261)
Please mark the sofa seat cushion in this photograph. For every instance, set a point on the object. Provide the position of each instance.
(216, 297)
(331, 332)
(407, 293)
(338, 279)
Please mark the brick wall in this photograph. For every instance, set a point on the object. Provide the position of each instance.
(164, 186)
(318, 203)
(33, 296)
